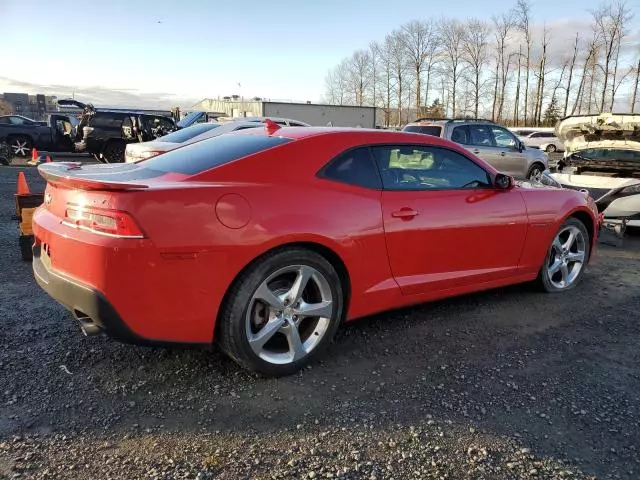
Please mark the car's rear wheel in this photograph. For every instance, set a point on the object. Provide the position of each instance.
(566, 260)
(535, 172)
(551, 148)
(282, 312)
(20, 145)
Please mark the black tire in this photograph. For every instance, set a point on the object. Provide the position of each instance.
(551, 148)
(21, 145)
(232, 326)
(543, 281)
(114, 152)
(535, 169)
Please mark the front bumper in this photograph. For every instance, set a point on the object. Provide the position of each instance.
(92, 310)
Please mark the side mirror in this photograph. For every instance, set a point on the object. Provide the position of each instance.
(521, 146)
(503, 182)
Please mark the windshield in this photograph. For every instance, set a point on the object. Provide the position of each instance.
(200, 156)
(188, 119)
(188, 133)
(433, 130)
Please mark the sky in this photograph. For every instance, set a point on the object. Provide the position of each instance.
(182, 51)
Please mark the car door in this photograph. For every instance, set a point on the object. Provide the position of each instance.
(507, 156)
(479, 141)
(445, 225)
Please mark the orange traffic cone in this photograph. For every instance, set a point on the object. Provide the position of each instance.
(23, 187)
(34, 155)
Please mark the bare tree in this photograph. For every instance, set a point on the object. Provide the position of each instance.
(516, 101)
(452, 36)
(634, 88)
(610, 22)
(374, 51)
(359, 75)
(502, 27)
(523, 14)
(537, 114)
(386, 73)
(395, 46)
(572, 64)
(475, 55)
(336, 84)
(418, 39)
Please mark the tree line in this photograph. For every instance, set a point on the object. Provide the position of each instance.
(507, 69)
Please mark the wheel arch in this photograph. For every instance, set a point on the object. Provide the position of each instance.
(587, 220)
(321, 249)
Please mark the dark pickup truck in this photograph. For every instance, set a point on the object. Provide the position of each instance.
(22, 134)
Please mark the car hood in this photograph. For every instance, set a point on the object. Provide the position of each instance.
(606, 130)
(152, 146)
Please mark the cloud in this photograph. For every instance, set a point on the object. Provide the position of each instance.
(101, 96)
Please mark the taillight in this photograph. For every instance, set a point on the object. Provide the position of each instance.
(105, 222)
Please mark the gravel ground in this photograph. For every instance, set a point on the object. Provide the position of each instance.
(507, 384)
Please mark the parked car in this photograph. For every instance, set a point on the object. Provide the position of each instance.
(546, 141)
(265, 240)
(493, 143)
(603, 157)
(23, 134)
(200, 131)
(105, 133)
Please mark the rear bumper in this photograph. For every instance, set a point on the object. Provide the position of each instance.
(92, 310)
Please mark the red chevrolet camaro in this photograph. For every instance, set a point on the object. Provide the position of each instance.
(266, 240)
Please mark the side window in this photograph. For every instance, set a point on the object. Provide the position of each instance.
(480, 135)
(354, 167)
(17, 121)
(503, 138)
(460, 135)
(409, 167)
(4, 120)
(535, 135)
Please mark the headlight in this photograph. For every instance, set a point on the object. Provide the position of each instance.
(548, 180)
(631, 189)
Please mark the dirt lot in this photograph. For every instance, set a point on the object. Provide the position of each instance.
(505, 384)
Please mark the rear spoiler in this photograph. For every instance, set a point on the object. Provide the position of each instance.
(61, 173)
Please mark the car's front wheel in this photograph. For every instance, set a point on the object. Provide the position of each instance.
(551, 148)
(282, 312)
(535, 172)
(566, 259)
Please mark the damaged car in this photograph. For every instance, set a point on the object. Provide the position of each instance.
(105, 133)
(602, 156)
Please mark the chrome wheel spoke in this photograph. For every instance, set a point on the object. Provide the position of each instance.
(575, 257)
(556, 244)
(265, 294)
(266, 333)
(564, 270)
(555, 267)
(569, 243)
(302, 279)
(322, 309)
(296, 349)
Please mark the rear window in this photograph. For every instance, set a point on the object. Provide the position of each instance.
(200, 156)
(188, 133)
(433, 130)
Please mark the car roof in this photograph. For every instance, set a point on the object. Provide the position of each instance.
(363, 135)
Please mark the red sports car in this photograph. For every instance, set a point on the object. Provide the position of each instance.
(266, 240)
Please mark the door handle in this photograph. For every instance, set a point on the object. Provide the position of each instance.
(404, 213)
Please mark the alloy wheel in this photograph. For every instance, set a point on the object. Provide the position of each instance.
(551, 148)
(289, 314)
(566, 258)
(20, 147)
(535, 173)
